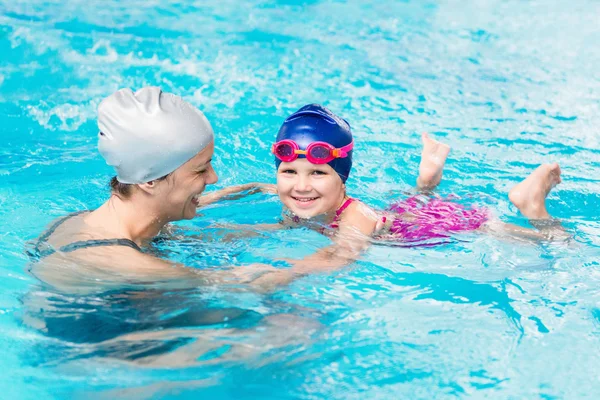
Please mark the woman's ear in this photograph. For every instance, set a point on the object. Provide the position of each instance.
(148, 187)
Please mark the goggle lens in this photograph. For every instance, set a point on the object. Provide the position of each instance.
(320, 152)
(284, 150)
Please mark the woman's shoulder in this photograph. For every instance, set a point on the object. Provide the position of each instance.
(62, 226)
(92, 268)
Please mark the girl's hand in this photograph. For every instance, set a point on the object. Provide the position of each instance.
(382, 224)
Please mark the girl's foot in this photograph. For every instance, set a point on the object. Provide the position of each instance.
(529, 196)
(433, 159)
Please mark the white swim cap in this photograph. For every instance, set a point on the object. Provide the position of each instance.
(149, 134)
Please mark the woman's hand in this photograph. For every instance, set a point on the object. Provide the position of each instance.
(267, 188)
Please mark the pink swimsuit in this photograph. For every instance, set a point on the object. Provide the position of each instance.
(339, 212)
(434, 218)
(334, 224)
(430, 218)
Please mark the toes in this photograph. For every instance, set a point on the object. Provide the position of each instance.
(557, 169)
(554, 167)
(554, 173)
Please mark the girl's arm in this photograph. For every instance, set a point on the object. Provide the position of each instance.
(357, 225)
(236, 192)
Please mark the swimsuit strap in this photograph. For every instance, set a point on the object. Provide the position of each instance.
(36, 252)
(99, 243)
(339, 212)
(82, 244)
(51, 230)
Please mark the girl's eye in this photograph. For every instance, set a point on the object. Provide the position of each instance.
(319, 172)
(288, 171)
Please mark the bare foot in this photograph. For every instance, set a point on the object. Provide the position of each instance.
(433, 159)
(529, 196)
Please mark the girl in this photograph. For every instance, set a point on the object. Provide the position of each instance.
(313, 155)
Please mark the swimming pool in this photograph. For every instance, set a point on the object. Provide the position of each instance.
(507, 84)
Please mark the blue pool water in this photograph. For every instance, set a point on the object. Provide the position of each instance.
(508, 84)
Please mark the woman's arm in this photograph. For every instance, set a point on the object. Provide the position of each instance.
(236, 192)
(219, 231)
(260, 277)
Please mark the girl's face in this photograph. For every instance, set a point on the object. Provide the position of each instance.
(308, 189)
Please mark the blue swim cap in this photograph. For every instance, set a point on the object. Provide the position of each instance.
(315, 123)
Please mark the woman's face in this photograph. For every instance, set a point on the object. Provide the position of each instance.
(179, 192)
(309, 189)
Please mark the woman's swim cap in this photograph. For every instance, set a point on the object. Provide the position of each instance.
(149, 134)
(315, 123)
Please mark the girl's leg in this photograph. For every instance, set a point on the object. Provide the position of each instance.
(529, 197)
(433, 159)
(431, 167)
(554, 231)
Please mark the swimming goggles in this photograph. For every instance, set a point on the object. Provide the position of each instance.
(316, 153)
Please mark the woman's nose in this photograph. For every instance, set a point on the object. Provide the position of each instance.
(212, 177)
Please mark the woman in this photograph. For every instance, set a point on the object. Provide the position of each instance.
(161, 148)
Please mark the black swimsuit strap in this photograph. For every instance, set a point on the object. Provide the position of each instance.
(99, 243)
(51, 230)
(82, 244)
